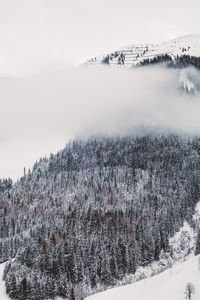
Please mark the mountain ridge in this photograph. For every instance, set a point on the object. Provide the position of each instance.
(135, 53)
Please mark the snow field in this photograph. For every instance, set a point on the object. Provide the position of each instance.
(169, 284)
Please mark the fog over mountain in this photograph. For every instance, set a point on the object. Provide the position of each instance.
(40, 113)
(99, 148)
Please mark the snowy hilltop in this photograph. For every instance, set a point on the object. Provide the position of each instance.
(181, 53)
(136, 53)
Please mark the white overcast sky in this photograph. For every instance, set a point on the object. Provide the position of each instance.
(44, 33)
(39, 115)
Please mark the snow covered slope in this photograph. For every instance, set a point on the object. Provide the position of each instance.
(3, 295)
(133, 54)
(167, 285)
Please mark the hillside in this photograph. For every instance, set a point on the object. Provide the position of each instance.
(93, 213)
(3, 295)
(168, 285)
(136, 53)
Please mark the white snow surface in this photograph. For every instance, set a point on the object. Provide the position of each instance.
(3, 295)
(186, 45)
(169, 284)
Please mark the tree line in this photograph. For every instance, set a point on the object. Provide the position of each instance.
(95, 211)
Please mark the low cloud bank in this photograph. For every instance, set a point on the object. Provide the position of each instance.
(39, 114)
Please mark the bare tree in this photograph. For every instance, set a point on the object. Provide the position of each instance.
(189, 290)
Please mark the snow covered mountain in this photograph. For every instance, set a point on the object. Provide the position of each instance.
(136, 53)
(93, 214)
(182, 53)
(170, 284)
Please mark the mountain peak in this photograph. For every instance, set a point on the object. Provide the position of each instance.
(136, 53)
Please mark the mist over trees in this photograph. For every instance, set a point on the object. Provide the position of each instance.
(95, 211)
(181, 61)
